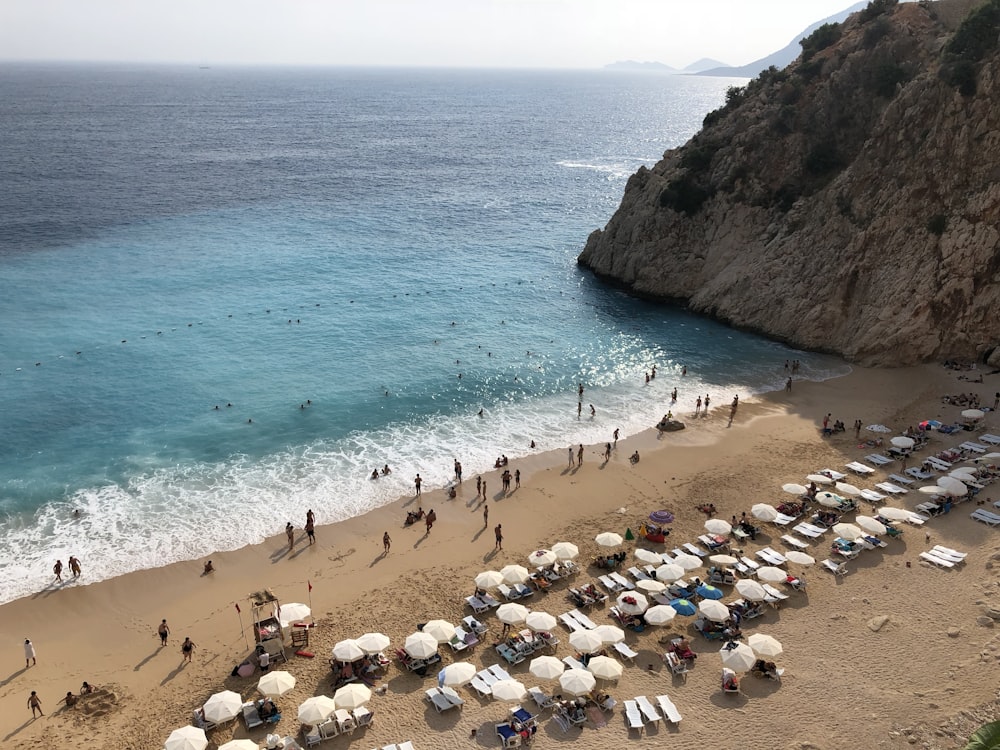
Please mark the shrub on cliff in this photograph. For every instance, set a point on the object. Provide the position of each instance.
(823, 37)
(976, 38)
(684, 195)
(877, 8)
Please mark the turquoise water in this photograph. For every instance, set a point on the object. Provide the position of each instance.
(396, 247)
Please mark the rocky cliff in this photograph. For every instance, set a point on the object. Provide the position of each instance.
(849, 203)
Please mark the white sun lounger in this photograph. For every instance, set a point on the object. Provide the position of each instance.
(791, 541)
(541, 700)
(937, 463)
(991, 439)
(899, 479)
(839, 569)
(949, 554)
(439, 700)
(638, 574)
(974, 447)
(625, 651)
(773, 592)
(478, 605)
(916, 473)
(891, 488)
(649, 711)
(872, 496)
(859, 468)
(480, 686)
(836, 476)
(984, 516)
(783, 520)
(669, 709)
(583, 619)
(567, 619)
(573, 663)
(769, 556)
(694, 550)
(621, 580)
(935, 560)
(612, 586)
(878, 460)
(809, 531)
(632, 716)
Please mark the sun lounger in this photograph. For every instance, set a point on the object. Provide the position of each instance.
(676, 664)
(583, 619)
(473, 625)
(809, 531)
(984, 516)
(622, 581)
(408, 745)
(916, 473)
(317, 733)
(637, 574)
(783, 519)
(872, 496)
(508, 593)
(668, 709)
(541, 700)
(769, 556)
(871, 542)
(839, 569)
(751, 565)
(859, 468)
(937, 463)
(695, 550)
(891, 488)
(649, 712)
(899, 479)
(476, 604)
(608, 583)
(625, 651)
(974, 447)
(836, 476)
(633, 718)
(572, 662)
(499, 672)
(570, 622)
(488, 677)
(251, 715)
(791, 541)
(878, 460)
(440, 701)
(935, 560)
(777, 594)
(950, 553)
(480, 686)
(739, 533)
(991, 439)
(508, 737)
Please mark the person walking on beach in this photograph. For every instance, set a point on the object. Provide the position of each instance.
(517, 478)
(479, 485)
(593, 411)
(579, 408)
(57, 569)
(29, 653)
(164, 631)
(579, 455)
(386, 543)
(697, 408)
(35, 704)
(607, 452)
(417, 481)
(857, 429)
(486, 515)
(498, 531)
(311, 517)
(616, 437)
(290, 533)
(579, 391)
(673, 396)
(705, 413)
(187, 649)
(311, 531)
(429, 519)
(458, 471)
(74, 565)
(572, 463)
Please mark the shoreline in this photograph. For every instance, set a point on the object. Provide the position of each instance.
(355, 588)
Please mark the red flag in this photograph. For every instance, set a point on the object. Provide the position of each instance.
(238, 607)
(310, 586)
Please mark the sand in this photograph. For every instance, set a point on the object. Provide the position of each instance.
(908, 681)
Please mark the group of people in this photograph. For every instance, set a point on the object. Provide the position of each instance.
(611, 561)
(386, 471)
(74, 566)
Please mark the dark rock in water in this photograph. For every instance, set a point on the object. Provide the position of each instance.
(670, 425)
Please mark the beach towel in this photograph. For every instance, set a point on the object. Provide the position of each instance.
(303, 652)
(596, 717)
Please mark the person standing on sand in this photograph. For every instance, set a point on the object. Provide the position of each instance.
(697, 408)
(417, 481)
(74, 565)
(479, 485)
(311, 531)
(29, 653)
(705, 413)
(187, 649)
(57, 569)
(311, 517)
(35, 703)
(290, 533)
(607, 452)
(429, 519)
(164, 631)
(579, 408)
(517, 478)
(498, 531)
(857, 429)
(386, 543)
(788, 386)
(579, 455)
(486, 515)
(571, 462)
(616, 437)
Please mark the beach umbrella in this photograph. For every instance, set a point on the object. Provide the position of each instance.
(648, 556)
(771, 574)
(542, 557)
(688, 562)
(764, 512)
(186, 738)
(240, 745)
(632, 603)
(372, 643)
(661, 614)
(294, 612)
(565, 550)
(441, 630)
(739, 658)
(575, 682)
(546, 667)
(420, 645)
(512, 613)
(765, 645)
(895, 514)
(660, 517)
(348, 650)
(793, 489)
(540, 621)
(799, 558)
(514, 574)
(604, 668)
(847, 489)
(223, 706)
(713, 610)
(722, 560)
(829, 499)
(669, 572)
(608, 539)
(707, 591)
(489, 579)
(717, 526)
(683, 607)
(609, 634)
(973, 413)
(931, 489)
(650, 586)
(751, 590)
(901, 441)
(275, 684)
(869, 524)
(457, 673)
(952, 485)
(819, 479)
(352, 695)
(509, 690)
(964, 474)
(316, 710)
(847, 531)
(585, 641)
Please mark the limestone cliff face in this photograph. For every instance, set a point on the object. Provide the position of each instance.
(850, 203)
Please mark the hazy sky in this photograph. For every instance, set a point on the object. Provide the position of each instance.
(463, 33)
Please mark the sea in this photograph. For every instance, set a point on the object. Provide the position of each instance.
(228, 294)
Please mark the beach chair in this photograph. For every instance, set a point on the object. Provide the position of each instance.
(991, 439)
(791, 541)
(771, 557)
(783, 519)
(473, 625)
(510, 655)
(751, 565)
(572, 662)
(251, 716)
(476, 604)
(481, 687)
(622, 581)
(773, 592)
(729, 682)
(408, 745)
(984, 516)
(363, 716)
(610, 585)
(439, 700)
(198, 719)
(891, 488)
(668, 709)
(467, 637)
(317, 733)
(949, 554)
(697, 551)
(899, 479)
(859, 468)
(541, 700)
(583, 619)
(935, 560)
(936, 463)
(570, 622)
(838, 569)
(523, 592)
(508, 737)
(633, 717)
(624, 651)
(499, 672)
(345, 722)
(974, 447)
(489, 600)
(488, 677)
(872, 496)
(917, 473)
(508, 593)
(649, 712)
(637, 574)
(836, 476)
(878, 460)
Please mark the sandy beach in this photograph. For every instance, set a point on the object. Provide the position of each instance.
(906, 683)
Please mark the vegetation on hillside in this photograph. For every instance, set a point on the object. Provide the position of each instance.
(977, 37)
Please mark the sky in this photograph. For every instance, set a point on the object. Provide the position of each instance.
(437, 33)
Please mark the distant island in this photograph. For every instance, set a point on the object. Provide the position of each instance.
(657, 67)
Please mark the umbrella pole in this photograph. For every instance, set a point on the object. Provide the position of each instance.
(242, 629)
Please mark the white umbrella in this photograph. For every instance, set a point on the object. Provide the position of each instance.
(751, 590)
(722, 560)
(688, 562)
(542, 557)
(901, 441)
(714, 610)
(512, 613)
(420, 645)
(869, 524)
(565, 550)
(765, 645)
(610, 634)
(648, 556)
(717, 526)
(829, 499)
(240, 745)
(372, 643)
(973, 413)
(441, 630)
(793, 489)
(276, 684)
(458, 673)
(294, 612)
(608, 539)
(316, 710)
(739, 659)
(847, 489)
(799, 558)
(669, 572)
(605, 668)
(489, 579)
(186, 738)
(650, 586)
(348, 650)
(952, 485)
(895, 514)
(223, 706)
(540, 621)
(764, 512)
(351, 696)
(514, 574)
(847, 531)
(661, 614)
(585, 641)
(771, 574)
(819, 479)
(632, 603)
(576, 682)
(931, 489)
(546, 667)
(509, 690)
(964, 474)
